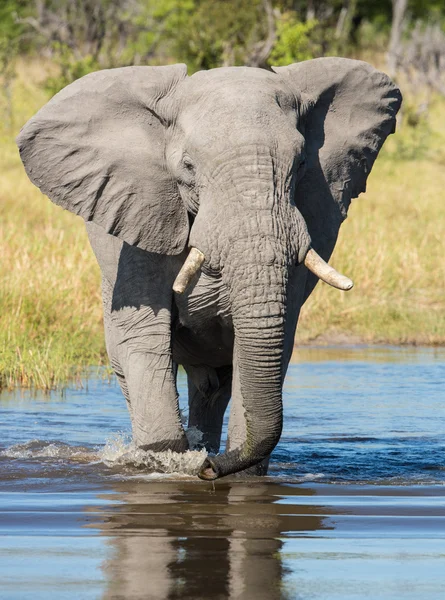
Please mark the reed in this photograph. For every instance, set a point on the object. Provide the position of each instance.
(392, 246)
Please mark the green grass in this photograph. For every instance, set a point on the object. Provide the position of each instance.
(392, 246)
(50, 303)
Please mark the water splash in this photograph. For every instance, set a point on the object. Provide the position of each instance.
(119, 450)
(194, 437)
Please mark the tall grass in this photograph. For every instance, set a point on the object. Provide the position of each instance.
(392, 245)
(50, 304)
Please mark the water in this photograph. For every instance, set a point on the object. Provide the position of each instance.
(353, 507)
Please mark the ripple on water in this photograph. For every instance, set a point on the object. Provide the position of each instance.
(118, 455)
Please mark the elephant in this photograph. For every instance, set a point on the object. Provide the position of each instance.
(213, 203)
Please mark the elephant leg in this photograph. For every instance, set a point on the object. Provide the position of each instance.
(141, 315)
(137, 295)
(110, 341)
(154, 406)
(209, 394)
(237, 424)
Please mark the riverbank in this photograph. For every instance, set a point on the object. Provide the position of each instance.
(392, 246)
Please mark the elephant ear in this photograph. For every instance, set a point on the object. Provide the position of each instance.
(97, 150)
(350, 110)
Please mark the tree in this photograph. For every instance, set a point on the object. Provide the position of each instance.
(11, 42)
(295, 40)
(81, 35)
(214, 33)
(398, 22)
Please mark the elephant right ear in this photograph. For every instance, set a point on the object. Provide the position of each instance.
(349, 110)
(97, 150)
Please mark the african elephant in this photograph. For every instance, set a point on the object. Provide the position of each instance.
(252, 172)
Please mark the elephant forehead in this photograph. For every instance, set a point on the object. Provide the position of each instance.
(238, 84)
(230, 108)
(234, 73)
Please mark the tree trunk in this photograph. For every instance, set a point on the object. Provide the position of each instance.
(398, 22)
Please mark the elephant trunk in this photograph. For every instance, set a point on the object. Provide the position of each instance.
(258, 299)
(254, 239)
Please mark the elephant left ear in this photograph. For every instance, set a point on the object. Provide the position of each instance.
(349, 108)
(97, 149)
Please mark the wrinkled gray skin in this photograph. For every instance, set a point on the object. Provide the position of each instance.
(249, 166)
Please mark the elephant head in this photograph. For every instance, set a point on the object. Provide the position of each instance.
(253, 170)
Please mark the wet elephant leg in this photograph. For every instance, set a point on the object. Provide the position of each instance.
(110, 341)
(141, 314)
(209, 394)
(138, 332)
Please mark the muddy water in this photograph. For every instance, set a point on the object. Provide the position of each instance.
(354, 506)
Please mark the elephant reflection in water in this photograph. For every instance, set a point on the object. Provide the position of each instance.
(226, 546)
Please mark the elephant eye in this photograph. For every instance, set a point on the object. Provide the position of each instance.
(188, 164)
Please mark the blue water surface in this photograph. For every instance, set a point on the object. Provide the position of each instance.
(353, 506)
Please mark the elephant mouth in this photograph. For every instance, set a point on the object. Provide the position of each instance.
(312, 261)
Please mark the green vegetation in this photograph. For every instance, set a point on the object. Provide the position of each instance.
(392, 245)
(50, 303)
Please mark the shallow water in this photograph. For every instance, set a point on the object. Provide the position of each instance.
(353, 507)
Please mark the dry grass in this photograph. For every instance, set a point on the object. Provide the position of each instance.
(50, 306)
(392, 245)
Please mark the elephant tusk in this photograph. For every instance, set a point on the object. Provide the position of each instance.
(326, 273)
(192, 264)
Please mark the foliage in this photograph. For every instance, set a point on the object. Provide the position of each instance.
(205, 33)
(80, 36)
(10, 32)
(295, 41)
(70, 68)
(416, 138)
(84, 35)
(11, 38)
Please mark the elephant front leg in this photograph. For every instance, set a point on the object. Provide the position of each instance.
(209, 394)
(154, 408)
(137, 296)
(141, 329)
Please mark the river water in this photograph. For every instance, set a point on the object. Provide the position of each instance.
(353, 507)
